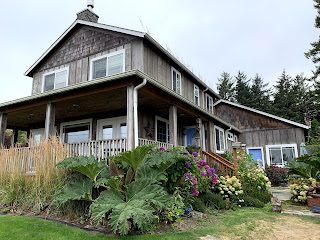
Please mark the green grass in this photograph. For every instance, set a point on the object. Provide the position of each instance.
(240, 223)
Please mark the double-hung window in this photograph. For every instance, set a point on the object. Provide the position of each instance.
(55, 80)
(196, 95)
(220, 140)
(106, 65)
(176, 81)
(209, 104)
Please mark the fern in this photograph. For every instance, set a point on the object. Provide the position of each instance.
(88, 166)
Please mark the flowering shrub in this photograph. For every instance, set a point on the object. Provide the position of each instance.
(200, 178)
(228, 186)
(299, 189)
(277, 174)
(228, 155)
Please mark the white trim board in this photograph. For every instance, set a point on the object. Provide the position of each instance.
(262, 113)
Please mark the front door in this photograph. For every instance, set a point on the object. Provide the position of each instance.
(191, 136)
(257, 155)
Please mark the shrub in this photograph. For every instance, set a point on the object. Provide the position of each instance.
(174, 209)
(299, 189)
(228, 186)
(198, 205)
(277, 174)
(262, 195)
(229, 155)
(211, 199)
(252, 202)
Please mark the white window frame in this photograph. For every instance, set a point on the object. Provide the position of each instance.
(208, 97)
(280, 146)
(105, 121)
(231, 138)
(261, 148)
(224, 139)
(195, 88)
(74, 123)
(235, 137)
(123, 51)
(173, 69)
(55, 72)
(156, 127)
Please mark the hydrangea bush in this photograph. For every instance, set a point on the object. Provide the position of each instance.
(228, 186)
(299, 189)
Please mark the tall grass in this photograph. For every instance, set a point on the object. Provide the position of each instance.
(28, 176)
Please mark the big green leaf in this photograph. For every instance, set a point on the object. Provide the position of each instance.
(135, 156)
(88, 166)
(107, 201)
(148, 173)
(78, 190)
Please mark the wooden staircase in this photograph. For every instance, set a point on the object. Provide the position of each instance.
(219, 163)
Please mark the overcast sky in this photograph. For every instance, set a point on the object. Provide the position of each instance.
(209, 36)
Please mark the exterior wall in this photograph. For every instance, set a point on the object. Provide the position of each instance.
(247, 120)
(86, 44)
(159, 67)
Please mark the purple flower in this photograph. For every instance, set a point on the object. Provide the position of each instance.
(188, 165)
(215, 176)
(187, 153)
(210, 172)
(194, 187)
(162, 149)
(201, 163)
(227, 150)
(202, 174)
(194, 180)
(195, 193)
(206, 167)
(187, 176)
(195, 154)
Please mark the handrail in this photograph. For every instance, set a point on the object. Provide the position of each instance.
(216, 161)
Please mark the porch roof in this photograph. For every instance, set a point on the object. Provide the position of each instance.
(81, 86)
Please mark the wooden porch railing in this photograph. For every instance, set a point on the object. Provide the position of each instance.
(216, 161)
(101, 149)
(143, 142)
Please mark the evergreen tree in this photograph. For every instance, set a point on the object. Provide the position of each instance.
(225, 87)
(315, 129)
(242, 90)
(260, 94)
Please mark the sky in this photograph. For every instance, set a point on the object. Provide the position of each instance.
(208, 36)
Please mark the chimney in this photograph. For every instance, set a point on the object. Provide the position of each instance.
(87, 14)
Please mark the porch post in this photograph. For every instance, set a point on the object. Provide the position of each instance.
(3, 127)
(50, 121)
(199, 132)
(14, 138)
(210, 137)
(173, 125)
(130, 118)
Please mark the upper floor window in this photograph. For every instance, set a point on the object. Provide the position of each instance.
(55, 80)
(109, 64)
(209, 104)
(196, 95)
(176, 81)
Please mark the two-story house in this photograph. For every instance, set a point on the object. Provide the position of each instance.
(105, 86)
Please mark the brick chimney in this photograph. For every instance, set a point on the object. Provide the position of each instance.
(87, 14)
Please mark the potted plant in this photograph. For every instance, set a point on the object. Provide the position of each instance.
(314, 198)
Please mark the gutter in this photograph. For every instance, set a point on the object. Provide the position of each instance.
(135, 111)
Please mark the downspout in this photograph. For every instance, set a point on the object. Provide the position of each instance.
(135, 111)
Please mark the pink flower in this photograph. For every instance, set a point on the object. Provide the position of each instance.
(195, 154)
(202, 174)
(195, 193)
(206, 167)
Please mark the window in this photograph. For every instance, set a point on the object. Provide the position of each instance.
(220, 141)
(55, 80)
(77, 131)
(235, 138)
(176, 81)
(112, 128)
(37, 134)
(230, 136)
(281, 154)
(196, 95)
(106, 65)
(162, 130)
(209, 104)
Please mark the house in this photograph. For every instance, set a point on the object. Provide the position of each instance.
(111, 89)
(273, 139)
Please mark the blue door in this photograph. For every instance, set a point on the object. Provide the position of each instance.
(257, 154)
(191, 134)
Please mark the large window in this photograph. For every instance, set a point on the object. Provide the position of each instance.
(77, 131)
(106, 65)
(281, 154)
(209, 104)
(162, 130)
(220, 140)
(176, 81)
(196, 95)
(112, 128)
(55, 80)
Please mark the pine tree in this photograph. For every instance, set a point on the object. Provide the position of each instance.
(225, 87)
(260, 94)
(242, 90)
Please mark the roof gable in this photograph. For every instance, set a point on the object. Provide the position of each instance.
(221, 101)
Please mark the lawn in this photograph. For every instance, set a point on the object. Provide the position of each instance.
(246, 223)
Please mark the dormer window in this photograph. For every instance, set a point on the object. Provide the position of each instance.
(107, 65)
(55, 80)
(176, 81)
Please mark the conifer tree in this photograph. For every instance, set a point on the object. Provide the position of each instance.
(225, 86)
(260, 94)
(242, 90)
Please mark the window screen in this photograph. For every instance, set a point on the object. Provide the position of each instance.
(115, 64)
(99, 68)
(61, 79)
(49, 82)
